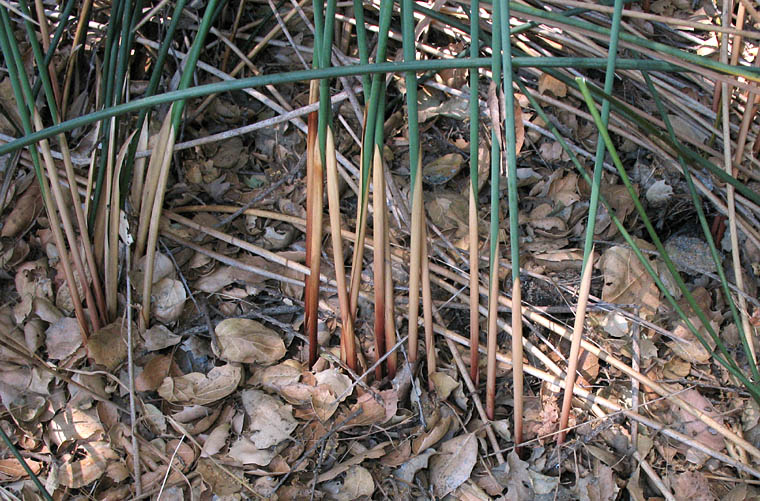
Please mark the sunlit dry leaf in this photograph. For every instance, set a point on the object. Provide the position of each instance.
(246, 452)
(63, 338)
(692, 486)
(201, 389)
(444, 384)
(87, 465)
(108, 345)
(453, 464)
(216, 440)
(159, 337)
(433, 436)
(688, 347)
(626, 281)
(12, 471)
(247, 341)
(374, 412)
(358, 483)
(162, 268)
(24, 213)
(443, 169)
(216, 280)
(271, 420)
(169, 297)
(75, 424)
(153, 373)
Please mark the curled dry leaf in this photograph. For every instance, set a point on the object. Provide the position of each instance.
(159, 337)
(153, 373)
(433, 436)
(201, 389)
(444, 384)
(63, 338)
(87, 465)
(246, 452)
(108, 345)
(271, 420)
(358, 483)
(374, 411)
(11, 470)
(247, 341)
(547, 82)
(75, 424)
(169, 298)
(626, 281)
(216, 440)
(23, 215)
(452, 466)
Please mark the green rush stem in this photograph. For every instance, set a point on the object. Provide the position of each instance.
(514, 227)
(644, 122)
(749, 73)
(324, 84)
(705, 227)
(493, 276)
(331, 72)
(155, 79)
(361, 42)
(730, 363)
(473, 221)
(192, 59)
(62, 23)
(609, 82)
(731, 367)
(415, 251)
(6, 439)
(109, 63)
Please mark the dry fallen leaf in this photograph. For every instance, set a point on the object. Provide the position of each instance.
(547, 82)
(75, 424)
(201, 389)
(108, 345)
(24, 213)
(358, 483)
(159, 337)
(444, 384)
(626, 281)
(453, 464)
(432, 436)
(87, 465)
(12, 471)
(271, 420)
(63, 338)
(169, 297)
(247, 341)
(216, 440)
(246, 452)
